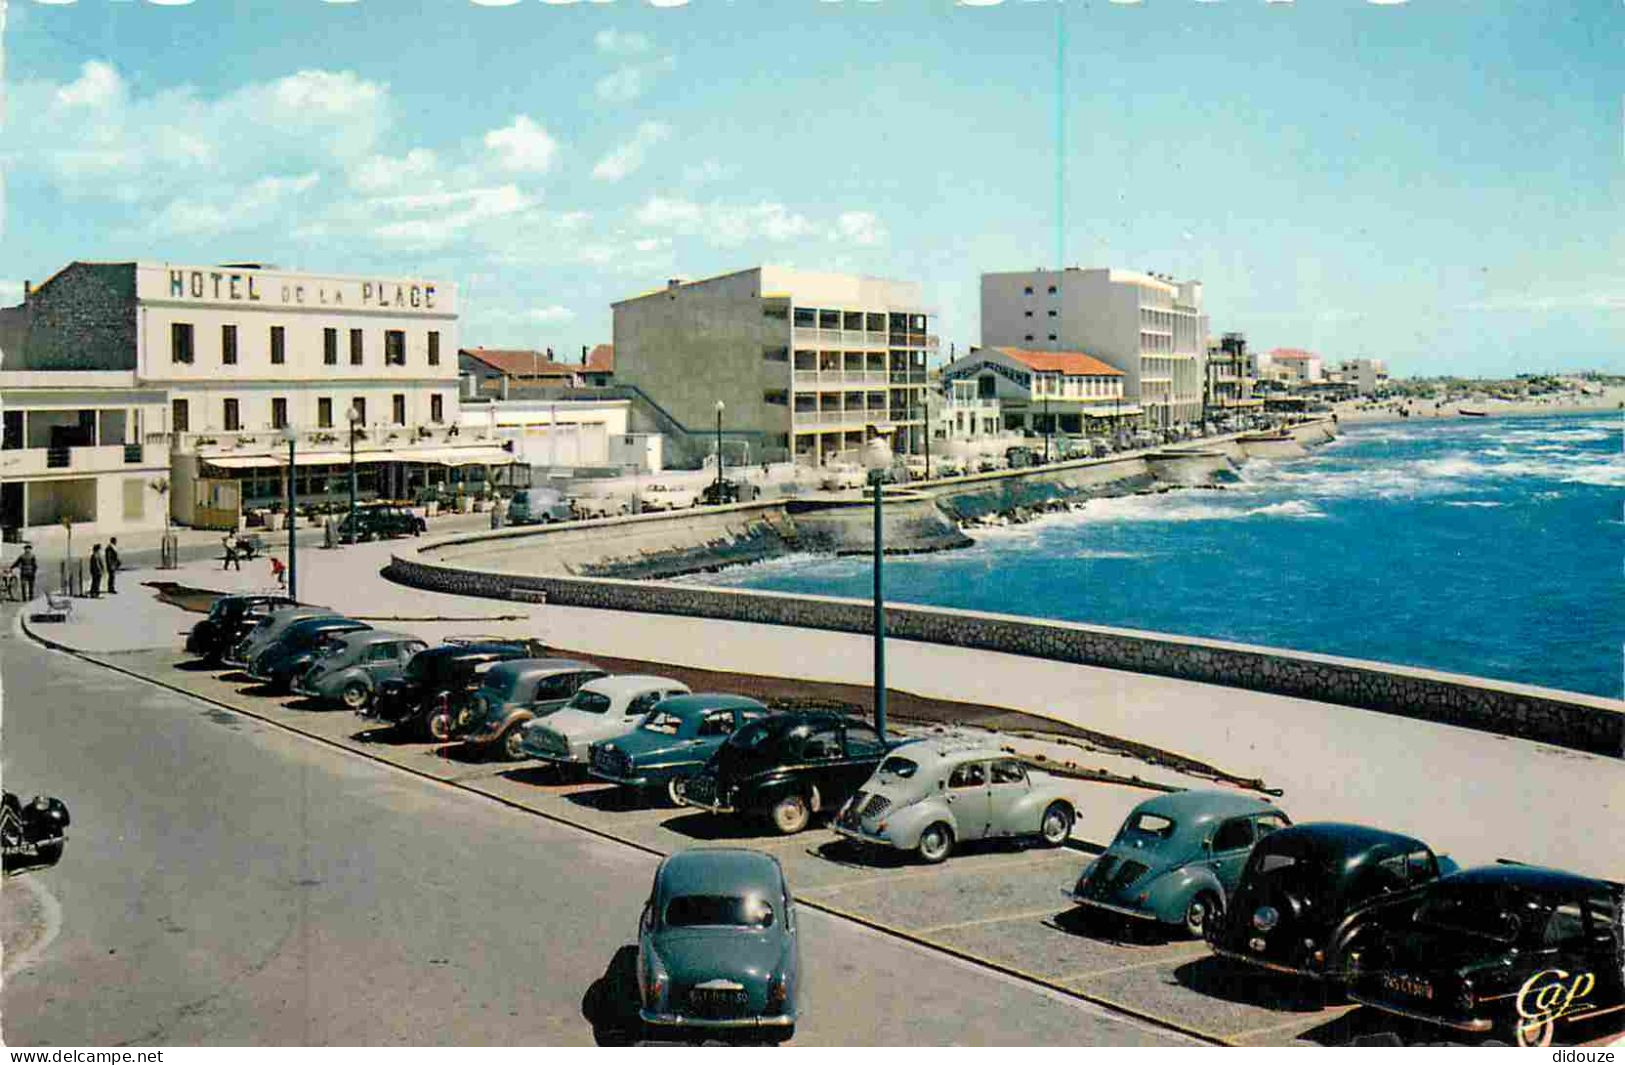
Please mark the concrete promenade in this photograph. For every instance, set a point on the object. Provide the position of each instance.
(1473, 795)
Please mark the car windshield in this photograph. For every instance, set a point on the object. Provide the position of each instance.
(1469, 913)
(662, 722)
(738, 911)
(899, 767)
(590, 701)
(752, 736)
(1153, 826)
(500, 684)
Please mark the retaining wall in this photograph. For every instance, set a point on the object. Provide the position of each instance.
(1566, 719)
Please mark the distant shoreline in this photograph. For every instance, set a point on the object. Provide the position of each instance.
(1348, 414)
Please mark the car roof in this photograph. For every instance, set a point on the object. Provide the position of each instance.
(1534, 878)
(697, 701)
(530, 666)
(1203, 805)
(785, 720)
(719, 871)
(325, 621)
(935, 749)
(362, 636)
(630, 682)
(1336, 837)
(453, 650)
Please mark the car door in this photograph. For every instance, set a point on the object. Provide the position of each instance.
(1228, 848)
(380, 660)
(967, 798)
(864, 750)
(823, 761)
(1007, 786)
(1603, 950)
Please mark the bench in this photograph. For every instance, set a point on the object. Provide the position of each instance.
(58, 607)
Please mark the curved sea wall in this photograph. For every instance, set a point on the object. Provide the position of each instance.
(1563, 718)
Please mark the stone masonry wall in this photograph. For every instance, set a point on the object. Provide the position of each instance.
(83, 319)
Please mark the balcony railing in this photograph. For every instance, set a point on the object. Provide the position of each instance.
(57, 458)
(851, 418)
(132, 453)
(839, 377)
(831, 339)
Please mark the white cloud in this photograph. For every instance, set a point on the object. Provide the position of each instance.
(435, 219)
(630, 156)
(616, 42)
(550, 315)
(651, 244)
(522, 146)
(676, 214)
(382, 173)
(630, 82)
(725, 225)
(98, 86)
(11, 293)
(236, 209)
(859, 227)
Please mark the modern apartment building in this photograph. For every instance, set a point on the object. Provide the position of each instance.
(801, 361)
(240, 352)
(1232, 371)
(1149, 326)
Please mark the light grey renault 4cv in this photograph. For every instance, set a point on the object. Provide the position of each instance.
(603, 709)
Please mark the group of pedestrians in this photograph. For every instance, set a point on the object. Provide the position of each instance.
(104, 563)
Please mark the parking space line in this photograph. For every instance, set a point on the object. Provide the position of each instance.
(1326, 1014)
(1148, 964)
(1025, 915)
(918, 874)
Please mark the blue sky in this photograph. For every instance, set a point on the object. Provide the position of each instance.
(1434, 182)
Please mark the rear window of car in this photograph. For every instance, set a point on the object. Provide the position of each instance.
(590, 701)
(1154, 825)
(1469, 912)
(659, 721)
(899, 767)
(737, 911)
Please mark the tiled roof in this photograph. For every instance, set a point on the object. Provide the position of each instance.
(601, 358)
(519, 363)
(1292, 354)
(1066, 362)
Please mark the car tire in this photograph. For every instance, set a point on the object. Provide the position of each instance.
(355, 696)
(1056, 826)
(674, 791)
(513, 744)
(936, 843)
(1201, 913)
(439, 724)
(791, 814)
(50, 853)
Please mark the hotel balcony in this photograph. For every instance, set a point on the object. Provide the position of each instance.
(804, 420)
(808, 380)
(837, 339)
(107, 458)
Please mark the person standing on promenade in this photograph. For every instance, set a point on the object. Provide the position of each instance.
(26, 566)
(113, 563)
(96, 567)
(231, 554)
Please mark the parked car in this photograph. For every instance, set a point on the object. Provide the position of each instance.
(32, 834)
(530, 506)
(381, 521)
(838, 477)
(601, 710)
(515, 692)
(728, 491)
(428, 695)
(1021, 456)
(300, 644)
(357, 665)
(717, 944)
(270, 628)
(586, 508)
(673, 742)
(1510, 950)
(787, 768)
(1177, 858)
(1304, 887)
(656, 497)
(930, 795)
(230, 618)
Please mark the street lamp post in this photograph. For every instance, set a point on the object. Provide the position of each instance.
(720, 407)
(877, 456)
(354, 417)
(290, 434)
(1048, 425)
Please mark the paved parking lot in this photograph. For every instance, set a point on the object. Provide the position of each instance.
(999, 905)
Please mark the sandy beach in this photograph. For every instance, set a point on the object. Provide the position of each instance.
(1362, 411)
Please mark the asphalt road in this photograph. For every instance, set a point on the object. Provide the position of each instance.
(227, 883)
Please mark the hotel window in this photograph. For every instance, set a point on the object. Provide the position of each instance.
(228, 345)
(1028, 291)
(279, 412)
(437, 408)
(330, 347)
(1026, 314)
(1052, 314)
(230, 415)
(1052, 290)
(1052, 336)
(394, 347)
(355, 347)
(434, 347)
(805, 317)
(180, 341)
(324, 413)
(180, 419)
(1029, 336)
(279, 345)
(360, 407)
(398, 408)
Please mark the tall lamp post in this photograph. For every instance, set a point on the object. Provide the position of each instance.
(720, 407)
(877, 457)
(1049, 426)
(290, 434)
(354, 418)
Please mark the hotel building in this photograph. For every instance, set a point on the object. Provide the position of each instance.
(1150, 327)
(1045, 391)
(801, 361)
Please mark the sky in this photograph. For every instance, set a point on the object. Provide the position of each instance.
(1435, 183)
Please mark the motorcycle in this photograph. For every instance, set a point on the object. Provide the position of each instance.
(32, 835)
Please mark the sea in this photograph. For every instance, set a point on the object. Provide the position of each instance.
(1491, 547)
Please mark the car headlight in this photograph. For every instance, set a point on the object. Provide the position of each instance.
(1266, 918)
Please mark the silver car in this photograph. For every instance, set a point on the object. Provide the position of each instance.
(602, 710)
(929, 795)
(352, 671)
(269, 629)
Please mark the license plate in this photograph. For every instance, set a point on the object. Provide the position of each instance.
(1257, 944)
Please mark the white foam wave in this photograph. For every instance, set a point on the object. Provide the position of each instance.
(1292, 508)
(1473, 503)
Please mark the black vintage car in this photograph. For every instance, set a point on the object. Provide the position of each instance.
(32, 835)
(231, 617)
(787, 768)
(1304, 889)
(428, 696)
(380, 521)
(1507, 950)
(299, 645)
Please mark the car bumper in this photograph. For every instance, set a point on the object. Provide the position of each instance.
(1477, 1024)
(678, 1020)
(861, 835)
(710, 807)
(551, 755)
(628, 781)
(1271, 965)
(1110, 907)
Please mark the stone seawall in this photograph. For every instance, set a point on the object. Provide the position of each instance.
(1563, 718)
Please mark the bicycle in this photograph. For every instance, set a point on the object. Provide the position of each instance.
(11, 586)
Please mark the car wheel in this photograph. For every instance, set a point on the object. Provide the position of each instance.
(674, 791)
(1057, 824)
(1201, 913)
(936, 842)
(49, 853)
(355, 695)
(791, 814)
(513, 744)
(439, 725)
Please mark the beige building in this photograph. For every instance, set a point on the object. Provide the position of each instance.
(1149, 326)
(801, 361)
(1051, 392)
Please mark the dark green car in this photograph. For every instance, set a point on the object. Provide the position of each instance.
(673, 742)
(717, 944)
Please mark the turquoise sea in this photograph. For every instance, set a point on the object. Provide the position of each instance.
(1488, 547)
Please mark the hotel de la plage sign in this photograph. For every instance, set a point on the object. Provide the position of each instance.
(260, 288)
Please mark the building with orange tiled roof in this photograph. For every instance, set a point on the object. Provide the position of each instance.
(493, 371)
(1043, 392)
(1293, 366)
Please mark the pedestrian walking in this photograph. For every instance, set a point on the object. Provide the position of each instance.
(113, 564)
(279, 570)
(231, 555)
(97, 567)
(26, 566)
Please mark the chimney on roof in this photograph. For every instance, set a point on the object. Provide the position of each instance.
(28, 290)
